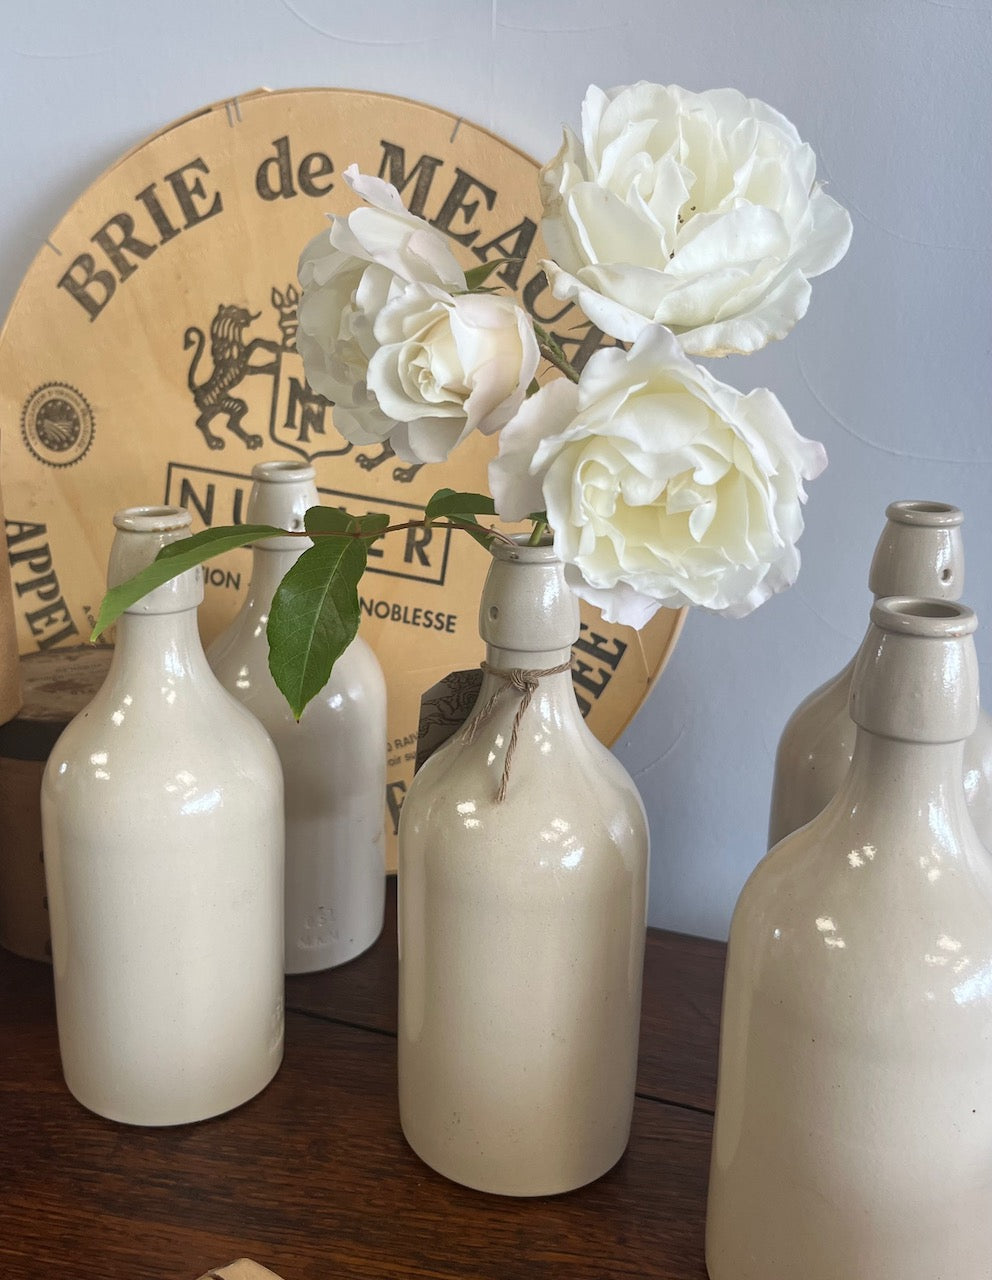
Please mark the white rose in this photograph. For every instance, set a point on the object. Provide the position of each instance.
(698, 211)
(348, 274)
(447, 366)
(663, 486)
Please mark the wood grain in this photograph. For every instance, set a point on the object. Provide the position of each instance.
(313, 1179)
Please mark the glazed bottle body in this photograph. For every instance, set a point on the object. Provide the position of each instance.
(852, 1132)
(919, 553)
(334, 759)
(162, 823)
(521, 923)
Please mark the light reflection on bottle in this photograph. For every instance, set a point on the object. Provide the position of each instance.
(207, 802)
(827, 927)
(977, 987)
(858, 857)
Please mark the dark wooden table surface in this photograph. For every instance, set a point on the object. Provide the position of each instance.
(313, 1178)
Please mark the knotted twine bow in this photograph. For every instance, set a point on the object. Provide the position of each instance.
(523, 682)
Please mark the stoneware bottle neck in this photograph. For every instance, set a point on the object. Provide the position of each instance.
(281, 495)
(157, 640)
(529, 619)
(141, 534)
(527, 606)
(915, 778)
(161, 649)
(268, 568)
(919, 553)
(916, 674)
(914, 698)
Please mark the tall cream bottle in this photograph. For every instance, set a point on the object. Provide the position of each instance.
(853, 1133)
(521, 920)
(919, 553)
(162, 820)
(334, 759)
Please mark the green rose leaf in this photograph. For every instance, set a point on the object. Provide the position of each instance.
(333, 520)
(476, 277)
(314, 617)
(461, 509)
(374, 522)
(446, 502)
(173, 559)
(327, 520)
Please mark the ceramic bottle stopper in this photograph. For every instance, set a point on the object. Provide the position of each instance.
(162, 822)
(919, 553)
(853, 1125)
(521, 921)
(334, 760)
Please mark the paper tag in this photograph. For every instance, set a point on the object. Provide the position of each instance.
(444, 708)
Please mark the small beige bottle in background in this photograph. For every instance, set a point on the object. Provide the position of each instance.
(334, 759)
(920, 553)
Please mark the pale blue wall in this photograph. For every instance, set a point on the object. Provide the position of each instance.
(890, 369)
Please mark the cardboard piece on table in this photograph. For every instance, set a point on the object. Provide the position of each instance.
(170, 285)
(10, 678)
(243, 1269)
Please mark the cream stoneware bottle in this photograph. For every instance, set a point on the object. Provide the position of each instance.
(853, 1133)
(919, 553)
(334, 759)
(521, 920)
(162, 820)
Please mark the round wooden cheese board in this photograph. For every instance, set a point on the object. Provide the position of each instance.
(174, 276)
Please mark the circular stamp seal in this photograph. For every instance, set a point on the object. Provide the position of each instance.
(57, 424)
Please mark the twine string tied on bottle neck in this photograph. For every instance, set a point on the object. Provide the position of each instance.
(522, 681)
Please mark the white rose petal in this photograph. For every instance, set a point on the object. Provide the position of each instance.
(516, 490)
(663, 486)
(349, 274)
(447, 366)
(699, 211)
(421, 254)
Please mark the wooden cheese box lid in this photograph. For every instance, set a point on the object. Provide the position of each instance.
(58, 684)
(170, 285)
